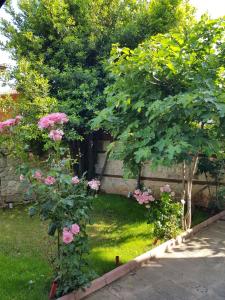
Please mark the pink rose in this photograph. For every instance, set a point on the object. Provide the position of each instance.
(151, 198)
(9, 123)
(143, 197)
(38, 175)
(49, 180)
(75, 229)
(56, 135)
(18, 119)
(94, 184)
(165, 189)
(137, 192)
(52, 119)
(67, 237)
(75, 180)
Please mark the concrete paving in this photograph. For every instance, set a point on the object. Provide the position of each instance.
(194, 270)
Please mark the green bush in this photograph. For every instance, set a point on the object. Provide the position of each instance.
(164, 213)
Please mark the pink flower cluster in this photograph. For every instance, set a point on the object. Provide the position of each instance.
(50, 120)
(75, 180)
(143, 197)
(38, 175)
(167, 189)
(68, 234)
(9, 123)
(56, 134)
(94, 184)
(49, 180)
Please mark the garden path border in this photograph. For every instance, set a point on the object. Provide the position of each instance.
(137, 262)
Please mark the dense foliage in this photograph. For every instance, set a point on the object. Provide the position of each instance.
(167, 102)
(164, 213)
(61, 48)
(65, 201)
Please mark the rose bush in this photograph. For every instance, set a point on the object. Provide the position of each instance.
(65, 201)
(164, 213)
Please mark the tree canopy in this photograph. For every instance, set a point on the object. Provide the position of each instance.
(167, 102)
(67, 44)
(168, 96)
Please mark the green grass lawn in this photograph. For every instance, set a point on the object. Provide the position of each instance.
(119, 228)
(24, 269)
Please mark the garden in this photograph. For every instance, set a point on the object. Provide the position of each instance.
(147, 74)
(118, 228)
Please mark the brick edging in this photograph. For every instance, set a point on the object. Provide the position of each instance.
(138, 261)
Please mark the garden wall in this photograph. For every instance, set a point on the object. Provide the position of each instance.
(113, 181)
(10, 187)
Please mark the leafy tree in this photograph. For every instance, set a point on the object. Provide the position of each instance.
(32, 104)
(66, 43)
(167, 102)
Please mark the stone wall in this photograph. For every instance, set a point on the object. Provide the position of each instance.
(10, 187)
(113, 181)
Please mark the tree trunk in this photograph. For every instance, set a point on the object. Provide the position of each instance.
(184, 191)
(90, 157)
(208, 186)
(191, 172)
(138, 186)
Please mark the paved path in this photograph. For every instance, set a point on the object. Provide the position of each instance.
(194, 270)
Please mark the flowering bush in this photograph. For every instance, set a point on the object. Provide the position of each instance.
(143, 197)
(94, 184)
(164, 213)
(51, 120)
(65, 201)
(9, 123)
(56, 135)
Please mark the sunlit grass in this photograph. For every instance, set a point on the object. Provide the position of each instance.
(118, 229)
(24, 268)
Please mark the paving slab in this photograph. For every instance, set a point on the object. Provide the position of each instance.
(192, 271)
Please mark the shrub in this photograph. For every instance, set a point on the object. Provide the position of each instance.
(65, 201)
(164, 213)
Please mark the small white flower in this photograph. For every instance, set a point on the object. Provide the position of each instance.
(147, 206)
